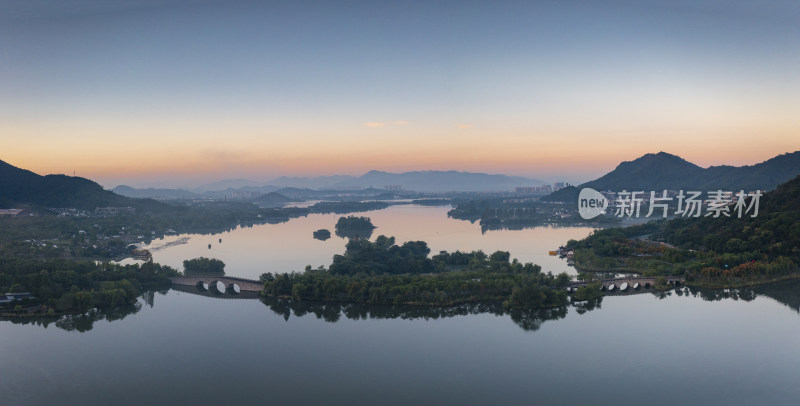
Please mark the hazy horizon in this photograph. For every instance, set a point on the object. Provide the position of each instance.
(264, 180)
(177, 93)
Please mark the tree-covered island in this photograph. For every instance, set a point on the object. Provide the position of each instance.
(63, 286)
(383, 272)
(203, 266)
(354, 227)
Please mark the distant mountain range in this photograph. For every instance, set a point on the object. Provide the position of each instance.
(666, 171)
(20, 187)
(319, 182)
(441, 181)
(154, 193)
(419, 181)
(649, 172)
(227, 184)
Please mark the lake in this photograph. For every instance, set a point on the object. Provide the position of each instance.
(179, 347)
(190, 349)
(290, 246)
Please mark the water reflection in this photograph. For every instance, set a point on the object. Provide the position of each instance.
(528, 320)
(84, 322)
(81, 322)
(787, 293)
(588, 305)
(249, 252)
(216, 293)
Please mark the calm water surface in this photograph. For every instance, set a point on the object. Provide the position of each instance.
(190, 349)
(290, 246)
(178, 347)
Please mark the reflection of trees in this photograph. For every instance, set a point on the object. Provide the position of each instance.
(713, 295)
(588, 305)
(529, 320)
(84, 322)
(787, 293)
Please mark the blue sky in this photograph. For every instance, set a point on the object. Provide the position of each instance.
(181, 92)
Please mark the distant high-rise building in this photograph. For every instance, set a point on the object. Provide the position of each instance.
(558, 185)
(393, 188)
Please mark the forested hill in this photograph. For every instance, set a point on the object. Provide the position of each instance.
(774, 231)
(20, 187)
(666, 171)
(651, 172)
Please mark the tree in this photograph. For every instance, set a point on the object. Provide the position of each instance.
(203, 266)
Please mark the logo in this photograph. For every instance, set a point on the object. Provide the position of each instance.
(591, 203)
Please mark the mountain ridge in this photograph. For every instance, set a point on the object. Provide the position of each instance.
(441, 181)
(21, 187)
(659, 171)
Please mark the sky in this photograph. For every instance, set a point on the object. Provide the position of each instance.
(180, 93)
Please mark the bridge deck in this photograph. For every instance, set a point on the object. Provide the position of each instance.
(247, 285)
(630, 280)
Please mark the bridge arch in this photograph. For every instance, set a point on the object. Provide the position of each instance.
(217, 287)
(220, 285)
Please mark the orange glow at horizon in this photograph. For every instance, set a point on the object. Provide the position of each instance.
(534, 157)
(214, 148)
(180, 93)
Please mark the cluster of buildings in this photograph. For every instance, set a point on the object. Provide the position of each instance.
(10, 297)
(99, 211)
(113, 211)
(241, 195)
(544, 189)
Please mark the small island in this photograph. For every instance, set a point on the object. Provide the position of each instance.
(203, 266)
(322, 234)
(354, 227)
(383, 272)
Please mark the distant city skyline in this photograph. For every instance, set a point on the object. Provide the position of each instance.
(180, 93)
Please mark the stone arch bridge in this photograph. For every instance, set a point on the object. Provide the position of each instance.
(628, 283)
(232, 285)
